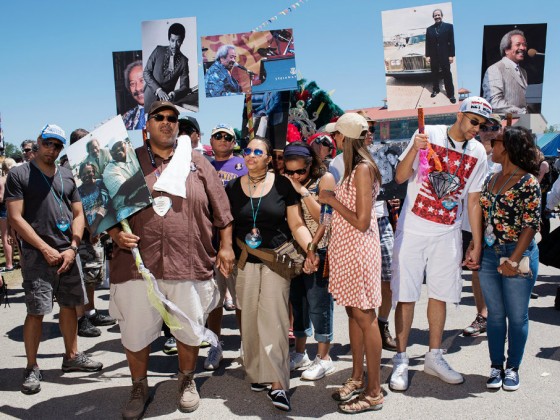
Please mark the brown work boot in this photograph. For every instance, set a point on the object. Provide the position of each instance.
(139, 400)
(386, 339)
(188, 395)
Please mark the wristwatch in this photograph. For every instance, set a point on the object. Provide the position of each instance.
(74, 248)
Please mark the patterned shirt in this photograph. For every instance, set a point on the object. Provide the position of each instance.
(219, 82)
(514, 210)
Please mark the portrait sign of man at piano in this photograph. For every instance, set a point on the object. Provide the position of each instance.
(218, 79)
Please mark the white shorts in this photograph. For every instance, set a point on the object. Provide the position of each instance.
(140, 323)
(228, 283)
(437, 257)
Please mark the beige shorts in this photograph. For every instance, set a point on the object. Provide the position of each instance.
(438, 258)
(140, 323)
(226, 283)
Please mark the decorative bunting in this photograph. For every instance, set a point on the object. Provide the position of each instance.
(283, 13)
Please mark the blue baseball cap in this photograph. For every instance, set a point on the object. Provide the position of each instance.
(52, 131)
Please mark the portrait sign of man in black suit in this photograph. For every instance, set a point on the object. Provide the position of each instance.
(440, 54)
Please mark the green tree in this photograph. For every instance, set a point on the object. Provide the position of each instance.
(12, 151)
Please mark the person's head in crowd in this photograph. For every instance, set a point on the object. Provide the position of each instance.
(50, 143)
(189, 126)
(323, 145)
(163, 124)
(302, 163)
(8, 164)
(176, 36)
(78, 134)
(222, 141)
(514, 46)
(134, 77)
(351, 130)
(490, 131)
(371, 128)
(87, 173)
(118, 151)
(437, 15)
(93, 148)
(278, 161)
(474, 112)
(28, 148)
(518, 146)
(227, 56)
(258, 155)
(393, 155)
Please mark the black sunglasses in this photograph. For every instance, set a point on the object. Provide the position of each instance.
(26, 150)
(324, 142)
(225, 136)
(170, 118)
(371, 129)
(486, 128)
(474, 123)
(494, 141)
(301, 171)
(49, 144)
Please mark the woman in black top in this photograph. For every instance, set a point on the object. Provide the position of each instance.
(266, 213)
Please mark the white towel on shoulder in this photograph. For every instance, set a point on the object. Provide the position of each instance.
(173, 179)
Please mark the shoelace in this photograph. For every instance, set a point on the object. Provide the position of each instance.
(442, 362)
(278, 392)
(510, 374)
(137, 391)
(213, 353)
(495, 373)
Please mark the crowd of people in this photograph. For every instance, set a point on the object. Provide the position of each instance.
(220, 230)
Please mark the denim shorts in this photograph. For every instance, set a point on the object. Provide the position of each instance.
(42, 285)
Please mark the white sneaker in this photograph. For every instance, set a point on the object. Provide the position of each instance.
(435, 364)
(299, 360)
(215, 356)
(318, 369)
(399, 377)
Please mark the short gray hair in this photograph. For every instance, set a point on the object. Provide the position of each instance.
(127, 71)
(223, 51)
(505, 43)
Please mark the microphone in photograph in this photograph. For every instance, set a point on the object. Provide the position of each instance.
(243, 68)
(532, 52)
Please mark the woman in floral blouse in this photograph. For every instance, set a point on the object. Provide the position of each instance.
(510, 202)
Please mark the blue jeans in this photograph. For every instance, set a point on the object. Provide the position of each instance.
(312, 304)
(507, 299)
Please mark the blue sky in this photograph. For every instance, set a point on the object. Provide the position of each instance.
(56, 61)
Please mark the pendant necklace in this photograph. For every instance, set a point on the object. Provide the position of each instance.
(161, 204)
(489, 236)
(253, 239)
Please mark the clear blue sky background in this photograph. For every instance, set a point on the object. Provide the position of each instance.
(56, 62)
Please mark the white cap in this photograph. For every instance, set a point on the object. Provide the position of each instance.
(329, 128)
(477, 105)
(352, 125)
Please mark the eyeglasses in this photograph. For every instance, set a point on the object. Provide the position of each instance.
(256, 152)
(170, 118)
(494, 141)
(301, 171)
(474, 123)
(371, 129)
(26, 150)
(324, 141)
(486, 128)
(50, 144)
(225, 136)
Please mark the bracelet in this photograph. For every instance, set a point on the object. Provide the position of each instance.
(311, 247)
(305, 194)
(512, 263)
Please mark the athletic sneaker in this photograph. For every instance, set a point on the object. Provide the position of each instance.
(256, 387)
(215, 356)
(279, 399)
(318, 369)
(31, 380)
(495, 379)
(86, 328)
(101, 320)
(170, 346)
(399, 377)
(80, 363)
(511, 379)
(477, 327)
(299, 360)
(435, 364)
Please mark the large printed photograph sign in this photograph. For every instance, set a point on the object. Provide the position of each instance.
(419, 53)
(250, 62)
(170, 62)
(108, 176)
(513, 67)
(386, 156)
(129, 88)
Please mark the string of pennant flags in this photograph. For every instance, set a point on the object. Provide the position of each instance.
(282, 13)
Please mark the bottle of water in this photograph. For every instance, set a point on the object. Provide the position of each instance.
(326, 215)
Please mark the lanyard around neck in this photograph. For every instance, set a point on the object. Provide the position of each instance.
(57, 198)
(255, 213)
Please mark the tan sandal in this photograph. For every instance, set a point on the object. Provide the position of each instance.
(362, 403)
(348, 390)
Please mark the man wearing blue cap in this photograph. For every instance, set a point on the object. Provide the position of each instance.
(44, 208)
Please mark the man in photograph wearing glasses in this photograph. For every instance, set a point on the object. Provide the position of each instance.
(44, 208)
(28, 149)
(428, 236)
(174, 237)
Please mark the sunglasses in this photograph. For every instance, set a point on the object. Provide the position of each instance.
(26, 150)
(225, 136)
(323, 141)
(256, 152)
(50, 144)
(474, 123)
(486, 128)
(494, 141)
(371, 129)
(301, 171)
(170, 118)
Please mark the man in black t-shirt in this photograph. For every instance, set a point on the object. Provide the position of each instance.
(44, 208)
